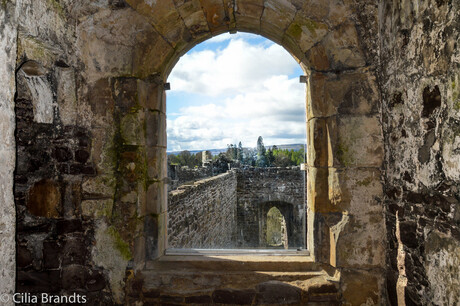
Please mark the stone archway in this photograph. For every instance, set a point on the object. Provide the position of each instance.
(345, 149)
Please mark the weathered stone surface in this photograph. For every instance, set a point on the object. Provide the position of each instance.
(235, 297)
(45, 199)
(346, 93)
(203, 215)
(193, 16)
(66, 95)
(155, 129)
(362, 287)
(306, 32)
(387, 68)
(356, 146)
(274, 292)
(276, 17)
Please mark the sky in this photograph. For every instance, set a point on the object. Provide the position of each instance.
(232, 88)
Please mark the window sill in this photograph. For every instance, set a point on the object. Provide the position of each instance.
(234, 261)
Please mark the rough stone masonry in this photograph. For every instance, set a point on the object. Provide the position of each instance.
(83, 193)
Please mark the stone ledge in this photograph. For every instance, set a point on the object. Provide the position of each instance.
(238, 263)
(236, 288)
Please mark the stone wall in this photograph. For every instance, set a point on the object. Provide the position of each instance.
(90, 82)
(185, 175)
(203, 215)
(8, 35)
(258, 190)
(421, 115)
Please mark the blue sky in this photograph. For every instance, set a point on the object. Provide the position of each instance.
(235, 87)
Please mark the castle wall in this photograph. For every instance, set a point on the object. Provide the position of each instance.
(90, 188)
(203, 215)
(8, 35)
(420, 84)
(258, 190)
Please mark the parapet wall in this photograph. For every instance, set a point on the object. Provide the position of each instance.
(202, 215)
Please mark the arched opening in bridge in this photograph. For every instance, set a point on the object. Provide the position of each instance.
(235, 124)
(276, 229)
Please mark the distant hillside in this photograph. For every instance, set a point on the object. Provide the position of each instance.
(295, 147)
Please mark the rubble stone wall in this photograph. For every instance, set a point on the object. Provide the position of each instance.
(203, 215)
(8, 42)
(421, 116)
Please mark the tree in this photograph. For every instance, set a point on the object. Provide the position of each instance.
(261, 160)
(270, 158)
(239, 153)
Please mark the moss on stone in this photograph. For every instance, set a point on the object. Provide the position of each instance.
(366, 182)
(120, 244)
(57, 7)
(295, 30)
(342, 155)
(311, 26)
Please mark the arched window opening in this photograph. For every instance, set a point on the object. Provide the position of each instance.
(235, 138)
(276, 229)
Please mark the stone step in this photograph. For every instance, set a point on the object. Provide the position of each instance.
(235, 263)
(235, 288)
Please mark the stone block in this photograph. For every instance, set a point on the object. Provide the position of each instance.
(69, 226)
(97, 208)
(156, 162)
(51, 254)
(100, 98)
(165, 17)
(321, 136)
(66, 95)
(276, 17)
(248, 24)
(338, 12)
(343, 49)
(74, 251)
(234, 296)
(193, 16)
(275, 292)
(359, 142)
(156, 198)
(215, 15)
(359, 242)
(151, 54)
(132, 128)
(450, 155)
(315, 9)
(151, 95)
(155, 129)
(198, 299)
(346, 93)
(74, 277)
(95, 281)
(125, 93)
(362, 287)
(317, 58)
(45, 199)
(155, 235)
(317, 190)
(24, 257)
(306, 32)
(103, 186)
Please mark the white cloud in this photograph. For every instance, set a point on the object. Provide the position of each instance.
(238, 68)
(252, 96)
